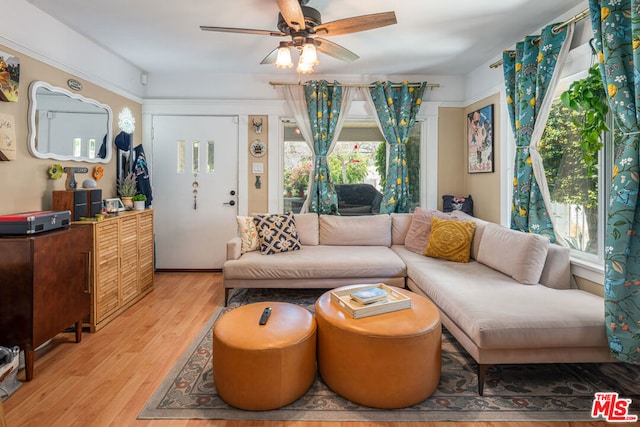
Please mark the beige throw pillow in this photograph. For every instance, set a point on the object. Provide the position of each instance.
(514, 253)
(366, 230)
(420, 229)
(248, 234)
(307, 228)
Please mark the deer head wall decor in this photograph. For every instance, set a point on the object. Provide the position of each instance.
(257, 127)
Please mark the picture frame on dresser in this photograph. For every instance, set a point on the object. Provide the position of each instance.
(114, 203)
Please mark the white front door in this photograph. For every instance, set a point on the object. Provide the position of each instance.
(195, 180)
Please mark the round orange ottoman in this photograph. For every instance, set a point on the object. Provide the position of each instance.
(258, 367)
(389, 360)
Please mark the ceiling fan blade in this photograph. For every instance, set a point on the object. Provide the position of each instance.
(271, 57)
(242, 31)
(356, 24)
(335, 50)
(291, 11)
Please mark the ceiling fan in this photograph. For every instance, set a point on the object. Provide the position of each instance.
(303, 24)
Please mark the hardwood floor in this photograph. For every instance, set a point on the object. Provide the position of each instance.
(106, 379)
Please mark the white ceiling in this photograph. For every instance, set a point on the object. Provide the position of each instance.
(450, 37)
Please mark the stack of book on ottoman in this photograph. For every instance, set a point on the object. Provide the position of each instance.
(369, 300)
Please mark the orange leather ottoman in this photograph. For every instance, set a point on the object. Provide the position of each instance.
(259, 367)
(389, 360)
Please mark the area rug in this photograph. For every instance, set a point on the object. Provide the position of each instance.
(545, 392)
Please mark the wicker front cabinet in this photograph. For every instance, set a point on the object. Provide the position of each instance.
(122, 264)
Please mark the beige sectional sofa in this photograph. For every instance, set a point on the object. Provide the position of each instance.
(513, 302)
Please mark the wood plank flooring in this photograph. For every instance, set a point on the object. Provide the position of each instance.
(107, 378)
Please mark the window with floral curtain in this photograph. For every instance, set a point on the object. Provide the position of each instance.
(616, 31)
(397, 106)
(532, 72)
(319, 109)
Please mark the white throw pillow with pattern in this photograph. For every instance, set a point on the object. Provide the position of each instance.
(248, 234)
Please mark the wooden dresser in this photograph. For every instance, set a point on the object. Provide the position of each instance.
(44, 287)
(123, 253)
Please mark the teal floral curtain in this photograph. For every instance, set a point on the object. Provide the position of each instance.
(323, 105)
(397, 106)
(616, 30)
(530, 73)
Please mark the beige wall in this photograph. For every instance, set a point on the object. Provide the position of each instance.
(485, 187)
(453, 178)
(258, 197)
(24, 182)
(589, 286)
(451, 155)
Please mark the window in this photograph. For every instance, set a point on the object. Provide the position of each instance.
(211, 156)
(413, 164)
(77, 147)
(92, 148)
(195, 156)
(359, 157)
(577, 199)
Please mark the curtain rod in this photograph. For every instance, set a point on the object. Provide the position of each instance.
(579, 17)
(429, 85)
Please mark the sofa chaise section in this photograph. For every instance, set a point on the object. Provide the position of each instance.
(500, 320)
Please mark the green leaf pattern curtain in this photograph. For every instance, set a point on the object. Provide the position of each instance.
(323, 105)
(396, 107)
(529, 75)
(616, 30)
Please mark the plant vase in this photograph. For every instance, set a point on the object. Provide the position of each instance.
(127, 202)
(139, 205)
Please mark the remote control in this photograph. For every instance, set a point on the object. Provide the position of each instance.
(265, 316)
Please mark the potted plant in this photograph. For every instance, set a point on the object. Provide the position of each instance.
(127, 188)
(139, 201)
(300, 178)
(588, 97)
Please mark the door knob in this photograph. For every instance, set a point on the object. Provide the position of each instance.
(230, 203)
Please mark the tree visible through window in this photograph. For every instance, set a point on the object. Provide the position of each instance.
(574, 195)
(577, 180)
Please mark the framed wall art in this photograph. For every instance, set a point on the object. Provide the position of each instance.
(7, 137)
(480, 140)
(9, 77)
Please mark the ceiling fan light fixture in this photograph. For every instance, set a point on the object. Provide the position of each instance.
(283, 58)
(303, 24)
(304, 68)
(309, 54)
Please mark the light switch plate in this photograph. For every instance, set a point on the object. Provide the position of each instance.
(257, 167)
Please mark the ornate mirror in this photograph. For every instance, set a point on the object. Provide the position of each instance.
(67, 126)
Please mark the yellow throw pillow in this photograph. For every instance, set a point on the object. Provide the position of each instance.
(450, 240)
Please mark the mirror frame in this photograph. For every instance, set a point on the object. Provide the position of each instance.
(33, 88)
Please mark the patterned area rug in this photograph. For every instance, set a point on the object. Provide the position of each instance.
(545, 392)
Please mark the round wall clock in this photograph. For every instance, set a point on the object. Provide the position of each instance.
(257, 148)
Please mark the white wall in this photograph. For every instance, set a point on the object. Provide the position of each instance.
(485, 81)
(66, 50)
(256, 87)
